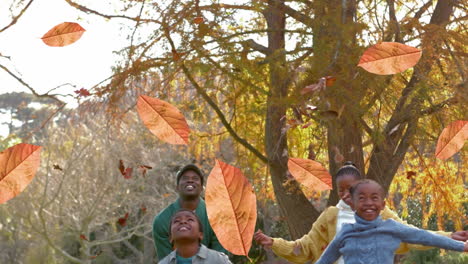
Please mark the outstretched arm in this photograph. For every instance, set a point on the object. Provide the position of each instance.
(311, 245)
(420, 236)
(405, 247)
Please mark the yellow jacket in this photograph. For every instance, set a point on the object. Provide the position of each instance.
(311, 246)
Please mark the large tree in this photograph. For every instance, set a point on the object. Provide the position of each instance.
(250, 60)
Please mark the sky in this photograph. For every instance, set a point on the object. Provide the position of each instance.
(84, 63)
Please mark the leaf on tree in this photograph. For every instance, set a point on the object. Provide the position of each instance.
(143, 169)
(143, 209)
(330, 80)
(57, 167)
(328, 115)
(231, 207)
(123, 220)
(163, 120)
(389, 58)
(315, 87)
(198, 20)
(310, 173)
(82, 92)
(126, 172)
(410, 174)
(63, 34)
(177, 55)
(18, 166)
(452, 139)
(165, 195)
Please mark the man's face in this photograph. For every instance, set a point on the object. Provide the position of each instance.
(189, 184)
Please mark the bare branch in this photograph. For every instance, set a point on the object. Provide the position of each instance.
(29, 87)
(16, 18)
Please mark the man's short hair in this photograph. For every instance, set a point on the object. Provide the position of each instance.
(188, 167)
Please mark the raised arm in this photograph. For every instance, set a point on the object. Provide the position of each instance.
(310, 246)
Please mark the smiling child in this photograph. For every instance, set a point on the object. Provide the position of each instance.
(186, 234)
(372, 240)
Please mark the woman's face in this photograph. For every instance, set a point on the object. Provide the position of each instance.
(343, 183)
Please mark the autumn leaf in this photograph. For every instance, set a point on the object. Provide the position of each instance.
(310, 173)
(389, 58)
(123, 220)
(143, 169)
(18, 166)
(163, 120)
(315, 87)
(198, 20)
(126, 172)
(177, 55)
(82, 92)
(231, 207)
(452, 139)
(410, 174)
(330, 80)
(57, 167)
(83, 237)
(63, 34)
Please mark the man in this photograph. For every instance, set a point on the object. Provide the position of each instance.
(189, 187)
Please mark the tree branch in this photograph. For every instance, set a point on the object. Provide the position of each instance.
(16, 18)
(29, 87)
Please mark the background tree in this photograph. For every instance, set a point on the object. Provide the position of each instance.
(250, 60)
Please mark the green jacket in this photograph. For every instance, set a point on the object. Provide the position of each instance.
(161, 229)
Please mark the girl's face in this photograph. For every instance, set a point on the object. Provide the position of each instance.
(185, 225)
(368, 201)
(343, 183)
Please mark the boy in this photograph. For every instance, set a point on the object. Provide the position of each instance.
(186, 234)
(373, 240)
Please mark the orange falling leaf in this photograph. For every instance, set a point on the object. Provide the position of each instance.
(126, 172)
(452, 139)
(163, 120)
(63, 34)
(83, 237)
(389, 58)
(231, 207)
(310, 173)
(18, 166)
(330, 80)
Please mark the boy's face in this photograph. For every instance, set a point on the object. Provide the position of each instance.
(190, 184)
(368, 201)
(185, 225)
(343, 183)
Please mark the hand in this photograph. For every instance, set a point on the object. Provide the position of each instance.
(263, 239)
(460, 235)
(466, 247)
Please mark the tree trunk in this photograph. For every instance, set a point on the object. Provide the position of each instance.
(289, 197)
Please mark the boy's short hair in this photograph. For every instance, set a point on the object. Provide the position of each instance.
(353, 188)
(200, 226)
(188, 167)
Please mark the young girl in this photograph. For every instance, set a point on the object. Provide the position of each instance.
(373, 240)
(186, 234)
(329, 223)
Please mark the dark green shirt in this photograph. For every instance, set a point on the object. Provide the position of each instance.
(161, 229)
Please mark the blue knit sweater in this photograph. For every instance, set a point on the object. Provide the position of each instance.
(374, 242)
